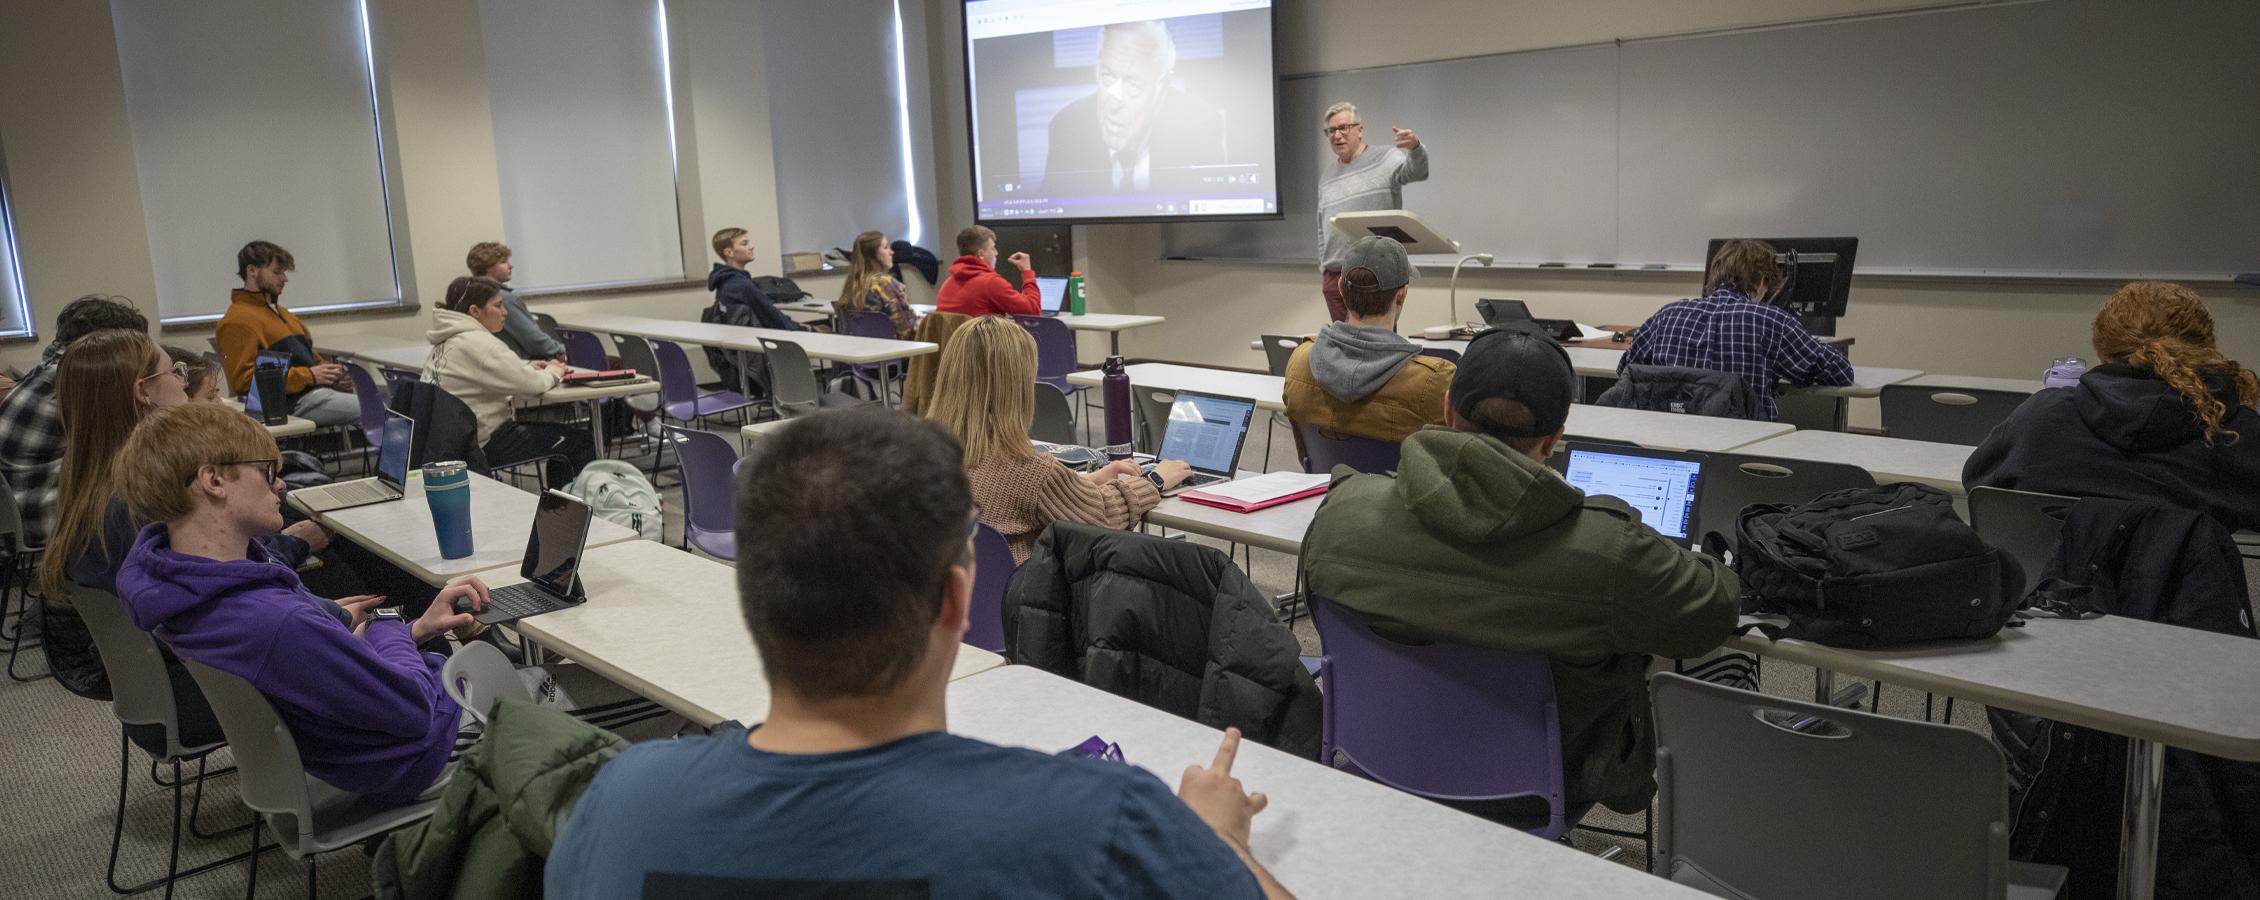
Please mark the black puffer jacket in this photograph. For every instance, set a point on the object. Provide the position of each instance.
(1678, 389)
(2125, 433)
(2171, 566)
(1170, 624)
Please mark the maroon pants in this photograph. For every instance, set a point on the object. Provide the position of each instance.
(1330, 284)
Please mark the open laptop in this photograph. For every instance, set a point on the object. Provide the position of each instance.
(1055, 294)
(392, 473)
(1499, 313)
(1664, 485)
(1207, 432)
(552, 567)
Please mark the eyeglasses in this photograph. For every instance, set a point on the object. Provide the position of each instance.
(179, 370)
(1332, 130)
(272, 467)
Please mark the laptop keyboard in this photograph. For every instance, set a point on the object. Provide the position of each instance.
(518, 601)
(1203, 480)
(358, 492)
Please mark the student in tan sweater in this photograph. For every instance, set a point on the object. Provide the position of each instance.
(470, 362)
(985, 396)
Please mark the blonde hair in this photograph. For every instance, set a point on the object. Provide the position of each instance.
(175, 444)
(724, 238)
(985, 392)
(863, 267)
(2165, 328)
(94, 384)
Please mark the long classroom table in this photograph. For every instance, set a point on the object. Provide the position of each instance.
(400, 353)
(401, 531)
(666, 624)
(1326, 833)
(1887, 458)
(1664, 431)
(1111, 324)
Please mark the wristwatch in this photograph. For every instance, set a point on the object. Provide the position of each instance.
(391, 613)
(1155, 477)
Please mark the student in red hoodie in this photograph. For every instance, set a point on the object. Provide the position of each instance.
(975, 289)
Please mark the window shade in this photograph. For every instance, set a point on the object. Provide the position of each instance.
(846, 140)
(583, 140)
(236, 139)
(15, 317)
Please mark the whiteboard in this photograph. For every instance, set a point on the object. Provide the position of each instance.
(2060, 138)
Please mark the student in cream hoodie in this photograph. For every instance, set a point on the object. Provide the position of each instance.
(468, 361)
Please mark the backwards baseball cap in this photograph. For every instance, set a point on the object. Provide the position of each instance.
(1385, 259)
(1518, 365)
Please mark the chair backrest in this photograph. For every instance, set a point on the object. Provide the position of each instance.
(708, 460)
(1277, 350)
(1946, 415)
(583, 348)
(1055, 347)
(478, 676)
(395, 377)
(1055, 419)
(2023, 524)
(791, 384)
(1854, 806)
(271, 776)
(635, 353)
(1732, 481)
(992, 569)
(11, 523)
(1153, 416)
(870, 324)
(446, 429)
(677, 383)
(372, 401)
(1322, 451)
(141, 691)
(1470, 725)
(548, 325)
(1450, 356)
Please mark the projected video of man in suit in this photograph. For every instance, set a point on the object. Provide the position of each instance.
(1080, 112)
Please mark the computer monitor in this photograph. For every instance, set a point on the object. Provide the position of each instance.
(1054, 291)
(1818, 273)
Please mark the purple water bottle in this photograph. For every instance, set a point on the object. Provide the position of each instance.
(2064, 373)
(1117, 409)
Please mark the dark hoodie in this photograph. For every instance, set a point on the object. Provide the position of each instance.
(731, 284)
(369, 715)
(2124, 433)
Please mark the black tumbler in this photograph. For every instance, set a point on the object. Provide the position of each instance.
(274, 402)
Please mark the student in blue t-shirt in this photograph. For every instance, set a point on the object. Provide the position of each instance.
(856, 572)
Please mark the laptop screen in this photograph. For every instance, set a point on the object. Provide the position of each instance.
(1054, 291)
(553, 551)
(1206, 431)
(392, 449)
(1662, 489)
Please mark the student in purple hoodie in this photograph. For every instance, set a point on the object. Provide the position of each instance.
(365, 705)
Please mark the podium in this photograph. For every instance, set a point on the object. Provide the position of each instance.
(1402, 226)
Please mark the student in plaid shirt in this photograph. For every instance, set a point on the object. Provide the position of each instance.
(31, 423)
(1728, 330)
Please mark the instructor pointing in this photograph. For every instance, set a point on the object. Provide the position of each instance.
(1360, 180)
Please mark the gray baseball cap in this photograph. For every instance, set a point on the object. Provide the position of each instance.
(1385, 258)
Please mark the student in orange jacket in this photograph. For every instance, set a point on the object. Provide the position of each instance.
(975, 289)
(255, 323)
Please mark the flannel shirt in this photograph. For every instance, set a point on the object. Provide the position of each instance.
(1725, 331)
(31, 445)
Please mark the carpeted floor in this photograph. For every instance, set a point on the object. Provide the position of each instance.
(61, 753)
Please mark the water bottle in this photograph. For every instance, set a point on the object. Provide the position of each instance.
(2064, 373)
(1117, 387)
(1074, 302)
(447, 488)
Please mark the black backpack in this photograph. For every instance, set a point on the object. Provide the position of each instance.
(1871, 567)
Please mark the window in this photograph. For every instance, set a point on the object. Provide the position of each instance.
(584, 140)
(281, 144)
(15, 316)
(849, 121)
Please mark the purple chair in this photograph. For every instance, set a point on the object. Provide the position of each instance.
(1322, 451)
(876, 376)
(992, 569)
(372, 402)
(679, 394)
(709, 521)
(584, 349)
(1450, 356)
(1470, 727)
(1055, 353)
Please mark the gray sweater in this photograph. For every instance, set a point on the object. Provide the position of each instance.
(536, 343)
(1375, 180)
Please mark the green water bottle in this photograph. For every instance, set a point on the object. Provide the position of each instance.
(1074, 302)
